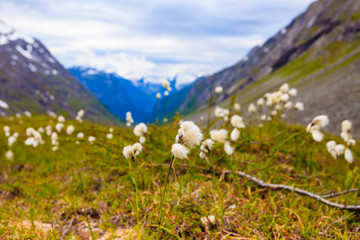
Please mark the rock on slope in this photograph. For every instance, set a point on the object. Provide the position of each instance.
(31, 79)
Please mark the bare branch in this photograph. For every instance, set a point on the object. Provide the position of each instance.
(263, 184)
(339, 193)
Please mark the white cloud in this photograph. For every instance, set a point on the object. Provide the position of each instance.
(153, 39)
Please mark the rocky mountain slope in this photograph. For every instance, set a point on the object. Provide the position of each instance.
(318, 53)
(31, 79)
(121, 95)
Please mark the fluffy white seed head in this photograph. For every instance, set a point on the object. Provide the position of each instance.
(9, 155)
(70, 130)
(129, 119)
(263, 117)
(339, 149)
(91, 139)
(11, 140)
(351, 143)
(237, 107)
(79, 119)
(293, 92)
(284, 88)
(346, 126)
(137, 148)
(219, 135)
(109, 136)
(237, 122)
(331, 145)
(40, 130)
(228, 148)
(55, 148)
(179, 151)
(166, 84)
(158, 95)
(81, 113)
(317, 135)
(288, 105)
(284, 97)
(80, 135)
(111, 130)
(235, 134)
(140, 129)
(346, 136)
(189, 134)
(142, 139)
(252, 108)
(218, 89)
(61, 119)
(205, 220)
(299, 106)
(260, 102)
(206, 145)
(348, 155)
(317, 123)
(166, 93)
(128, 152)
(59, 127)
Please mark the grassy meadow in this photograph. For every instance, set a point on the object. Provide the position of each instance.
(91, 191)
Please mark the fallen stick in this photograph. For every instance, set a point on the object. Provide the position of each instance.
(321, 199)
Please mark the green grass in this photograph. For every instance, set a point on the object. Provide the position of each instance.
(90, 186)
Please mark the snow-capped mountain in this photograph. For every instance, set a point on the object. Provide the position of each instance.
(121, 95)
(31, 79)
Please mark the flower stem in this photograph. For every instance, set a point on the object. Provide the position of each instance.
(163, 197)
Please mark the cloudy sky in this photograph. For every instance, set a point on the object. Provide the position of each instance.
(155, 39)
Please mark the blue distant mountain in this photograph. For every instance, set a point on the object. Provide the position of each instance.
(121, 95)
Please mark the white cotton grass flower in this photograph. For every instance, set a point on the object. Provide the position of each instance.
(11, 140)
(228, 148)
(55, 148)
(235, 134)
(15, 135)
(273, 113)
(348, 155)
(189, 134)
(237, 107)
(317, 135)
(260, 102)
(48, 130)
(293, 92)
(166, 93)
(284, 97)
(351, 143)
(61, 119)
(91, 139)
(9, 155)
(129, 119)
(345, 130)
(54, 138)
(206, 145)
(131, 151)
(166, 84)
(79, 119)
(208, 220)
(81, 113)
(70, 130)
(142, 139)
(288, 105)
(140, 129)
(109, 136)
(111, 130)
(218, 89)
(263, 117)
(252, 108)
(237, 121)
(59, 127)
(219, 135)
(331, 148)
(80, 135)
(7, 131)
(158, 95)
(180, 151)
(284, 88)
(40, 130)
(299, 106)
(339, 149)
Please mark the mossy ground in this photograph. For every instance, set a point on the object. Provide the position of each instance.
(86, 191)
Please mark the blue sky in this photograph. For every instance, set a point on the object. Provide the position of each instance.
(154, 39)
